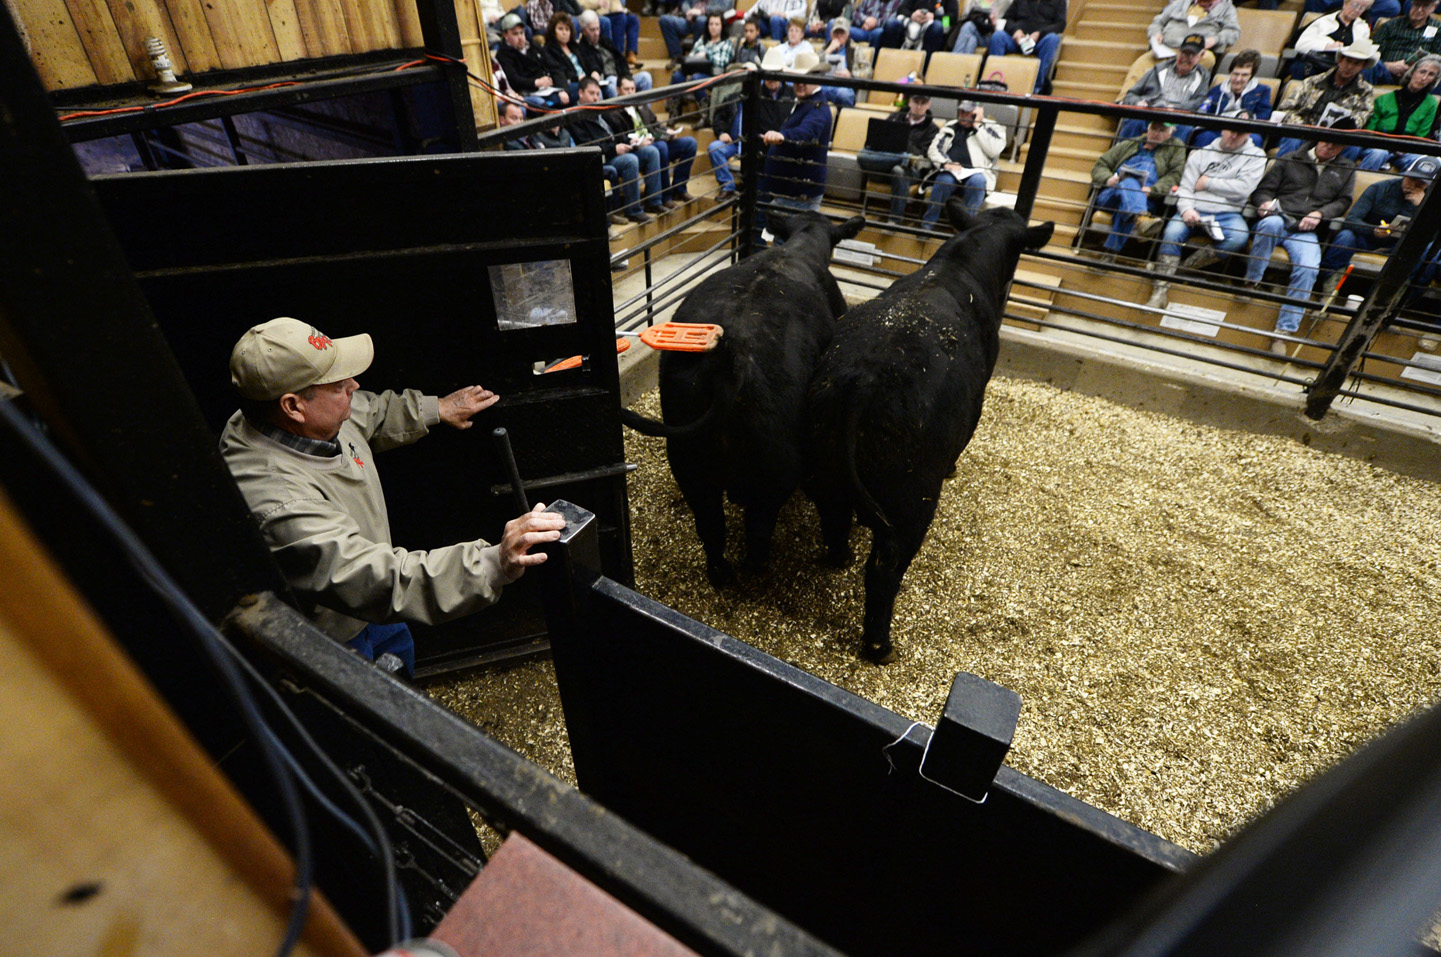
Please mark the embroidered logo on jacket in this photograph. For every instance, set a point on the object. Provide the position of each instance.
(355, 456)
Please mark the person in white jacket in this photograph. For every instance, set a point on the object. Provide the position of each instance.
(964, 154)
(1324, 38)
(1215, 186)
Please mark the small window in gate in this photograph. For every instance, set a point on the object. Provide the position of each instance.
(529, 295)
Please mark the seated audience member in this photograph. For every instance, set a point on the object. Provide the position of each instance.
(1216, 184)
(1324, 99)
(510, 114)
(920, 24)
(1214, 21)
(869, 19)
(524, 70)
(1033, 27)
(490, 13)
(775, 15)
(903, 169)
(794, 174)
(1405, 40)
(695, 22)
(837, 55)
(717, 49)
(602, 59)
(559, 54)
(539, 12)
(1179, 84)
(676, 152)
(964, 155)
(1240, 93)
(776, 99)
(824, 14)
(794, 42)
(749, 51)
(979, 20)
(1135, 177)
(1379, 218)
(1410, 110)
(1379, 10)
(1323, 40)
(631, 161)
(1297, 196)
(620, 27)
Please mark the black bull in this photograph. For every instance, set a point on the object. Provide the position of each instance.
(735, 416)
(897, 396)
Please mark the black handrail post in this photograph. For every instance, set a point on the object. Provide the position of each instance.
(649, 290)
(751, 156)
(1380, 305)
(1037, 146)
(440, 29)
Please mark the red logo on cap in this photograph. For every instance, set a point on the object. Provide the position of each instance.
(319, 341)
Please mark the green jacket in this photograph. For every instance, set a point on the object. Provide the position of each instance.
(1170, 162)
(327, 526)
(1419, 123)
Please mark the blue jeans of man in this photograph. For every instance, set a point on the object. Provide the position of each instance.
(1233, 227)
(1303, 248)
(1381, 8)
(1003, 44)
(895, 167)
(680, 152)
(969, 39)
(893, 34)
(376, 640)
(642, 161)
(673, 30)
(839, 95)
(720, 156)
(624, 29)
(1374, 159)
(778, 27)
(873, 37)
(1346, 244)
(1130, 129)
(1125, 201)
(973, 189)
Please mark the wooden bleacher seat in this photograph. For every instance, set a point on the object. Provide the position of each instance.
(892, 66)
(959, 70)
(1265, 30)
(1019, 72)
(844, 179)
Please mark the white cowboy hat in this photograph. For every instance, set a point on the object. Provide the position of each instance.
(1363, 50)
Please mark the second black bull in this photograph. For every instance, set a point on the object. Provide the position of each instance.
(897, 395)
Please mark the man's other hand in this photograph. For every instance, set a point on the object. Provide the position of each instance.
(457, 408)
(522, 534)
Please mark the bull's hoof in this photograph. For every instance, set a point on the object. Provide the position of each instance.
(720, 573)
(838, 557)
(879, 654)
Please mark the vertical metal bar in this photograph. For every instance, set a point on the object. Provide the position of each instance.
(142, 146)
(1380, 305)
(751, 157)
(232, 135)
(649, 290)
(1038, 146)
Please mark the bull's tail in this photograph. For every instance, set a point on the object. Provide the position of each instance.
(663, 430)
(850, 431)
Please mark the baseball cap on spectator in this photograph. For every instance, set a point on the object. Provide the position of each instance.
(510, 20)
(842, 25)
(287, 355)
(966, 106)
(1166, 123)
(1424, 167)
(1194, 43)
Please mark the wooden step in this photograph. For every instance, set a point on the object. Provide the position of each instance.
(1037, 299)
(1098, 29)
(1062, 157)
(1141, 14)
(1086, 90)
(1101, 52)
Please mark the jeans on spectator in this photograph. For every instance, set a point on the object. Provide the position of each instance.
(624, 31)
(720, 155)
(642, 80)
(861, 35)
(1233, 225)
(969, 39)
(1378, 75)
(1346, 244)
(896, 167)
(674, 29)
(376, 640)
(1374, 159)
(681, 152)
(1304, 249)
(641, 161)
(893, 34)
(550, 98)
(839, 95)
(778, 27)
(1125, 201)
(1130, 129)
(1003, 44)
(1381, 8)
(974, 187)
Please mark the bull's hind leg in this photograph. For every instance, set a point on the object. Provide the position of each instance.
(891, 555)
(760, 517)
(836, 532)
(706, 501)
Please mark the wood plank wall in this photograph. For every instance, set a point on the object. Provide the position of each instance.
(78, 43)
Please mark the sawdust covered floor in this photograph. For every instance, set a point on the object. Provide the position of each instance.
(1197, 620)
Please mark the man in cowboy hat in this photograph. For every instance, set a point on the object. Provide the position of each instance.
(794, 174)
(301, 448)
(1324, 99)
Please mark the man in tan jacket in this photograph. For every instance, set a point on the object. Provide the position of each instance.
(301, 448)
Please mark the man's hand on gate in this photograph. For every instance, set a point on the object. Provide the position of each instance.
(457, 408)
(522, 534)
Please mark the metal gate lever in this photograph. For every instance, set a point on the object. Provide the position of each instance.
(972, 737)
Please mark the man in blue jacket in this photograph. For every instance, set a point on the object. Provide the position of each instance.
(795, 168)
(1378, 219)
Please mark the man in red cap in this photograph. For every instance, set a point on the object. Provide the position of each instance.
(301, 450)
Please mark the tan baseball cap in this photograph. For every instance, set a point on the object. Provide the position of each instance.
(287, 355)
